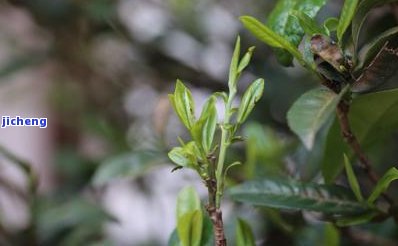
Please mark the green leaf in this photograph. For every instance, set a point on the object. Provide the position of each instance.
(244, 234)
(331, 235)
(284, 194)
(189, 228)
(246, 59)
(249, 99)
(189, 217)
(357, 219)
(373, 117)
(370, 50)
(207, 235)
(233, 68)
(352, 179)
(360, 15)
(183, 104)
(129, 165)
(269, 37)
(331, 24)
(204, 129)
(308, 24)
(346, 15)
(180, 157)
(310, 112)
(187, 201)
(382, 184)
(288, 27)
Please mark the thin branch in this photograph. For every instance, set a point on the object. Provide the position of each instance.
(342, 115)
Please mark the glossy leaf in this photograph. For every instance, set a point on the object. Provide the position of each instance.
(383, 184)
(129, 165)
(331, 24)
(287, 26)
(310, 112)
(285, 194)
(362, 11)
(373, 117)
(308, 24)
(249, 99)
(183, 104)
(352, 179)
(233, 68)
(346, 15)
(244, 234)
(270, 37)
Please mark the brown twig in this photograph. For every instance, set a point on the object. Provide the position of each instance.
(214, 213)
(342, 115)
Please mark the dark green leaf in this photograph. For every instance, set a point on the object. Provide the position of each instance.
(352, 179)
(249, 99)
(287, 26)
(383, 183)
(356, 219)
(129, 165)
(331, 24)
(373, 116)
(285, 194)
(244, 234)
(346, 15)
(233, 68)
(310, 112)
(362, 11)
(308, 24)
(269, 37)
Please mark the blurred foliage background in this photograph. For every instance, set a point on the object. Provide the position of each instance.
(108, 67)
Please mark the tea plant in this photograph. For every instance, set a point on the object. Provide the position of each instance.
(206, 155)
(349, 74)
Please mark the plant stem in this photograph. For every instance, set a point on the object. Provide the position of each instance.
(342, 115)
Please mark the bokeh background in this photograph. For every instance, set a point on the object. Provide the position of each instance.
(100, 71)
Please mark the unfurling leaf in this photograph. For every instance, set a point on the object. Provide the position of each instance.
(383, 183)
(233, 68)
(183, 104)
(244, 234)
(246, 59)
(185, 156)
(249, 99)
